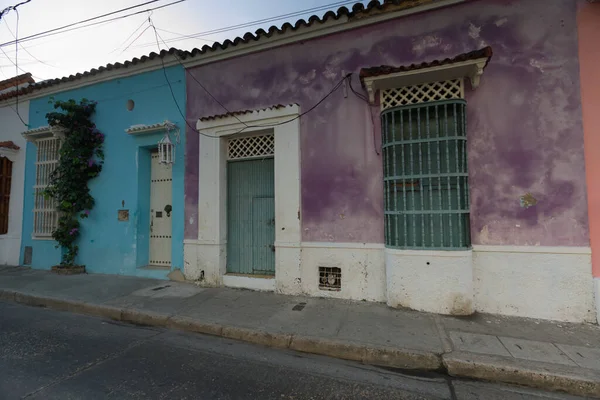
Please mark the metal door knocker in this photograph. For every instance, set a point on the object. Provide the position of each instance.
(168, 210)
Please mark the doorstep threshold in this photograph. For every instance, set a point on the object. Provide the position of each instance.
(156, 267)
(251, 276)
(247, 281)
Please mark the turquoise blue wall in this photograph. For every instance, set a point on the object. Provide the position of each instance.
(107, 245)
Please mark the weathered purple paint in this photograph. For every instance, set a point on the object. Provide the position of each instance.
(524, 121)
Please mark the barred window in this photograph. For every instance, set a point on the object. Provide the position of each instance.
(425, 176)
(5, 182)
(45, 214)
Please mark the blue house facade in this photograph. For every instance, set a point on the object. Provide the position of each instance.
(136, 226)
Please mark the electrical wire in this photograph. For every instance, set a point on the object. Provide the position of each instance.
(62, 29)
(9, 8)
(256, 22)
(182, 35)
(129, 37)
(129, 94)
(171, 89)
(134, 40)
(334, 89)
(17, 65)
(366, 100)
(25, 49)
(197, 81)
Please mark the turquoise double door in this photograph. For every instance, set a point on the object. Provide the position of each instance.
(251, 217)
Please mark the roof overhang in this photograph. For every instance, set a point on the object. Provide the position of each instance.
(9, 150)
(467, 65)
(43, 132)
(276, 37)
(152, 128)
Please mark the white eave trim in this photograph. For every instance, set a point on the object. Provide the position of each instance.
(11, 154)
(258, 120)
(313, 31)
(43, 132)
(145, 129)
(471, 69)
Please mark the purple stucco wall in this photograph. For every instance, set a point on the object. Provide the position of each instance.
(524, 121)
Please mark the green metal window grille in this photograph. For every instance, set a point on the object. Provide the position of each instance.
(426, 185)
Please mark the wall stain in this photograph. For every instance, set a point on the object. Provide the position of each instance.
(527, 200)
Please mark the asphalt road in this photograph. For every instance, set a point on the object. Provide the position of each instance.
(47, 354)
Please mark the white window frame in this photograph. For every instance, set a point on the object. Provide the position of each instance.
(45, 213)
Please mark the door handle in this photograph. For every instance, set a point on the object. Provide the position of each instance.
(272, 246)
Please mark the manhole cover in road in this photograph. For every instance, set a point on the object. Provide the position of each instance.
(299, 307)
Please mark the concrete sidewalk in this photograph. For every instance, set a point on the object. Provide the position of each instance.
(541, 354)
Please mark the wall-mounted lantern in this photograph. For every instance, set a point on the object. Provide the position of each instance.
(166, 150)
(166, 146)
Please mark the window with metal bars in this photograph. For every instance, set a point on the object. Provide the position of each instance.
(5, 182)
(426, 190)
(45, 214)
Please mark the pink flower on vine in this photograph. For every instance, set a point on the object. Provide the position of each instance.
(87, 212)
(73, 231)
(90, 163)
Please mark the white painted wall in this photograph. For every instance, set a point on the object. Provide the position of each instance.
(432, 281)
(536, 282)
(10, 129)
(362, 266)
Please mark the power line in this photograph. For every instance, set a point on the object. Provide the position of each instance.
(129, 37)
(197, 81)
(253, 23)
(17, 63)
(134, 40)
(9, 8)
(63, 29)
(246, 126)
(25, 49)
(182, 35)
(171, 88)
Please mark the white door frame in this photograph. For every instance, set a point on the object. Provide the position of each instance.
(211, 247)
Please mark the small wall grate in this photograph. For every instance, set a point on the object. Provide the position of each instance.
(425, 92)
(330, 278)
(251, 147)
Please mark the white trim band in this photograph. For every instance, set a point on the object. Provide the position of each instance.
(533, 249)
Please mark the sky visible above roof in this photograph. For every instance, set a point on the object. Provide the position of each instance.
(185, 25)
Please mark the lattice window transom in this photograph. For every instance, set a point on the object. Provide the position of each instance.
(425, 92)
(251, 147)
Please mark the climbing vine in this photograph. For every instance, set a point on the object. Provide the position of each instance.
(81, 158)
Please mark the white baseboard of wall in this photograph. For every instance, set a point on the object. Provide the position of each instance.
(362, 266)
(552, 283)
(249, 282)
(439, 282)
(535, 282)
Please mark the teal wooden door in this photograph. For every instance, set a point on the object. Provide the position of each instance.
(251, 217)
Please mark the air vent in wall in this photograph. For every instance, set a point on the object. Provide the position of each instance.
(330, 278)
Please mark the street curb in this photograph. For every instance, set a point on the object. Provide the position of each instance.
(568, 379)
(382, 356)
(571, 380)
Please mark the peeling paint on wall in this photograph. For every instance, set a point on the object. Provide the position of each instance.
(527, 200)
(524, 121)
